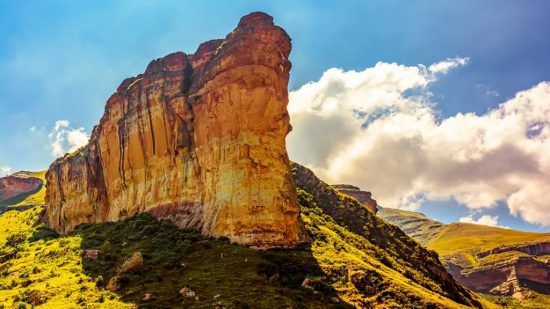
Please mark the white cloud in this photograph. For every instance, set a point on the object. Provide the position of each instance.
(379, 129)
(483, 220)
(492, 93)
(5, 171)
(446, 65)
(65, 139)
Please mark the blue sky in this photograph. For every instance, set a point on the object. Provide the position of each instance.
(63, 59)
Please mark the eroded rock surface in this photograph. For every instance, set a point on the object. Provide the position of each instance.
(512, 277)
(198, 139)
(363, 197)
(17, 184)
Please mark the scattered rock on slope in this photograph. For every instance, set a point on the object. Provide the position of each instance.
(131, 264)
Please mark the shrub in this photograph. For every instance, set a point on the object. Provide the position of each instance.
(15, 240)
(43, 234)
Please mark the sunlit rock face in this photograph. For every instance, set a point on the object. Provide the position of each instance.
(363, 197)
(198, 139)
(17, 184)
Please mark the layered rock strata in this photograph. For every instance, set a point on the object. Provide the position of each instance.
(363, 197)
(17, 184)
(198, 139)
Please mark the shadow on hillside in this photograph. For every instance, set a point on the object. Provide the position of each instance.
(220, 273)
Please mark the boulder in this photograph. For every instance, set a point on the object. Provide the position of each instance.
(187, 293)
(91, 254)
(133, 263)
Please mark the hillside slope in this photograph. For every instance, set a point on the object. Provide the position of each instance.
(349, 263)
(484, 258)
(414, 224)
(495, 260)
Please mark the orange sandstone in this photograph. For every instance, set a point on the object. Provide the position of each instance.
(198, 139)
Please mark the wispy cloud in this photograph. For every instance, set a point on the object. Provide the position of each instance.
(445, 66)
(64, 138)
(379, 129)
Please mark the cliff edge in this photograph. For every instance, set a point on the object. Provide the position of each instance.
(198, 139)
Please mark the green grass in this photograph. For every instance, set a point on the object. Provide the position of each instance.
(53, 267)
(461, 242)
(352, 263)
(414, 224)
(535, 301)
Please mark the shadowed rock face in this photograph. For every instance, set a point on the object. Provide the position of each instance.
(17, 184)
(198, 139)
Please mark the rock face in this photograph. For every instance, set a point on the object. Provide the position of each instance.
(198, 139)
(17, 184)
(363, 197)
(537, 248)
(513, 276)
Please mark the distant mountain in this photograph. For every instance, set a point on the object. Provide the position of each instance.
(483, 258)
(415, 224)
(21, 190)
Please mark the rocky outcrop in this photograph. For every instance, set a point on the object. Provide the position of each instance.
(363, 197)
(17, 184)
(537, 248)
(515, 270)
(512, 278)
(198, 139)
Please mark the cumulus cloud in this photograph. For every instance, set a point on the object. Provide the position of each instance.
(483, 220)
(5, 171)
(64, 138)
(379, 129)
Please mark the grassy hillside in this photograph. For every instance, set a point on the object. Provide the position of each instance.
(481, 256)
(414, 224)
(343, 267)
(461, 242)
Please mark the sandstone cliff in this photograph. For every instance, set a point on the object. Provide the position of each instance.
(198, 139)
(17, 184)
(512, 270)
(363, 197)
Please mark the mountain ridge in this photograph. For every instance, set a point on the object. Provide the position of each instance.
(486, 259)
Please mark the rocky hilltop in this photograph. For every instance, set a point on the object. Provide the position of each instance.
(21, 190)
(198, 139)
(17, 184)
(361, 196)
